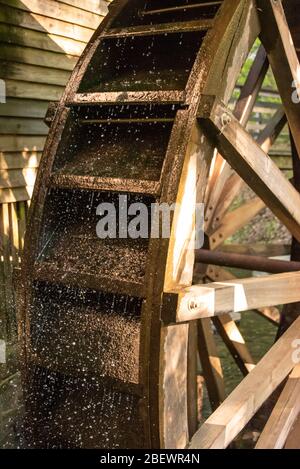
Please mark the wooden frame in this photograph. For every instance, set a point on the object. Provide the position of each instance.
(204, 301)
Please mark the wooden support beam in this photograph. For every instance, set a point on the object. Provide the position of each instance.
(216, 274)
(252, 86)
(271, 314)
(234, 183)
(278, 42)
(270, 133)
(214, 299)
(244, 107)
(235, 342)
(232, 416)
(235, 220)
(251, 163)
(211, 363)
(283, 416)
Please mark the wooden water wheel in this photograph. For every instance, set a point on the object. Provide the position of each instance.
(109, 327)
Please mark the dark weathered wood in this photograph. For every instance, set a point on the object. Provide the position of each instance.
(164, 28)
(105, 184)
(52, 108)
(161, 97)
(47, 272)
(179, 8)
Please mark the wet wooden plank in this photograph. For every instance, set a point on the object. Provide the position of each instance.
(176, 97)
(164, 28)
(105, 184)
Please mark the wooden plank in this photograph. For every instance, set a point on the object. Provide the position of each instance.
(283, 58)
(100, 7)
(130, 97)
(192, 380)
(105, 184)
(17, 178)
(55, 9)
(242, 404)
(15, 107)
(216, 274)
(18, 194)
(34, 73)
(272, 130)
(21, 143)
(164, 28)
(22, 126)
(292, 441)
(234, 221)
(252, 86)
(23, 89)
(235, 342)
(283, 416)
(29, 55)
(20, 160)
(181, 252)
(211, 363)
(214, 299)
(175, 9)
(252, 163)
(40, 40)
(51, 112)
(55, 26)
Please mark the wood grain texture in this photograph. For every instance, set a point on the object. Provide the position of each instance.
(236, 411)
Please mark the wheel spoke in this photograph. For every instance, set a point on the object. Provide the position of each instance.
(283, 416)
(215, 299)
(283, 59)
(252, 163)
(235, 342)
(235, 184)
(242, 404)
(211, 363)
(242, 112)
